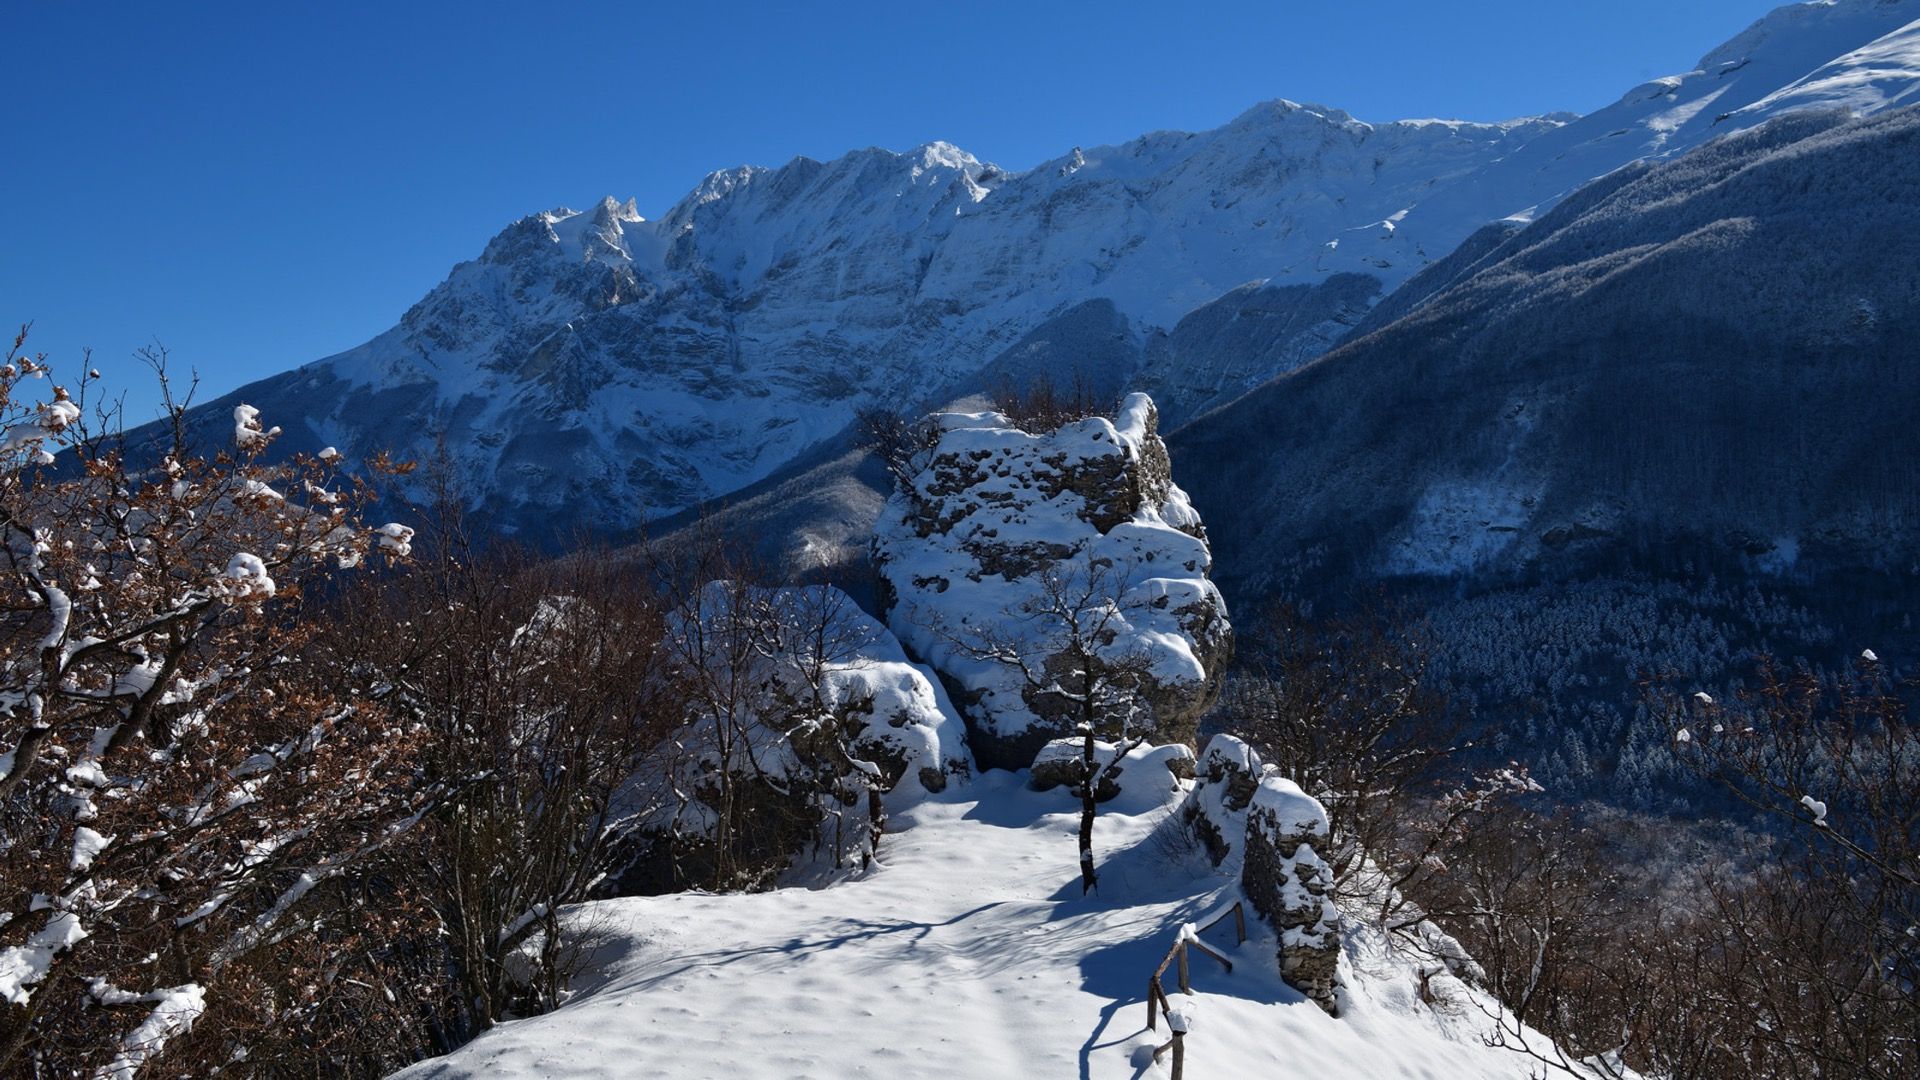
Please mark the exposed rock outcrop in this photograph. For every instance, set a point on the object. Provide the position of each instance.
(1292, 887)
(1061, 762)
(1228, 774)
(1016, 563)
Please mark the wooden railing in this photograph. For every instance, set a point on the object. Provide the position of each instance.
(1177, 1023)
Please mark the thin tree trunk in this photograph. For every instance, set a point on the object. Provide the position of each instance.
(1088, 764)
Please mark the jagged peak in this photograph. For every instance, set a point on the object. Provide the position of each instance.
(611, 211)
(874, 166)
(935, 156)
(530, 234)
(723, 182)
(600, 233)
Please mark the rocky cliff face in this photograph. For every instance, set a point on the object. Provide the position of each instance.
(1017, 562)
(1260, 827)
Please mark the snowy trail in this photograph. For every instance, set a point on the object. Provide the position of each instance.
(968, 953)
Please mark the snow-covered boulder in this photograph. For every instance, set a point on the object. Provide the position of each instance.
(1060, 763)
(1292, 887)
(1003, 540)
(805, 725)
(1227, 776)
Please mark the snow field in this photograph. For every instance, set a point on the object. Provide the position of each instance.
(969, 952)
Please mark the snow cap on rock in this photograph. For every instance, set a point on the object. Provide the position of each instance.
(1292, 808)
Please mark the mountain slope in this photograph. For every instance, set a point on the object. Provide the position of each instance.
(1741, 84)
(604, 368)
(1706, 360)
(600, 369)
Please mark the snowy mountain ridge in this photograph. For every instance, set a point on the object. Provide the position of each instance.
(600, 369)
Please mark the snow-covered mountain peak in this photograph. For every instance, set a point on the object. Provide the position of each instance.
(1280, 110)
(718, 185)
(1735, 86)
(597, 367)
(612, 210)
(1778, 50)
(872, 169)
(942, 154)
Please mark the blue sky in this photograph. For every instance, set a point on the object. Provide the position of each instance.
(258, 185)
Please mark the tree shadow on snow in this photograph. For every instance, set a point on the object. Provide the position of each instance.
(798, 948)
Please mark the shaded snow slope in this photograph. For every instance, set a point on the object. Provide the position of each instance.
(1867, 80)
(1800, 46)
(969, 952)
(1698, 364)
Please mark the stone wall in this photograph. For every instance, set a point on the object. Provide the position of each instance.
(1285, 879)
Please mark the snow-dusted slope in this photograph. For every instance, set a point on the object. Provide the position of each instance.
(1699, 362)
(1743, 83)
(599, 369)
(970, 953)
(1879, 76)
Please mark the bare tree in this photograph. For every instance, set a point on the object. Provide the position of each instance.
(765, 759)
(729, 820)
(177, 785)
(1816, 941)
(1040, 404)
(1065, 644)
(539, 683)
(820, 634)
(895, 438)
(1789, 952)
(1345, 709)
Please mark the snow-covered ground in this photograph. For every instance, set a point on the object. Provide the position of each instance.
(969, 952)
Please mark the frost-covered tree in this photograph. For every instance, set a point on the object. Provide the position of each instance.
(177, 787)
(537, 685)
(1812, 950)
